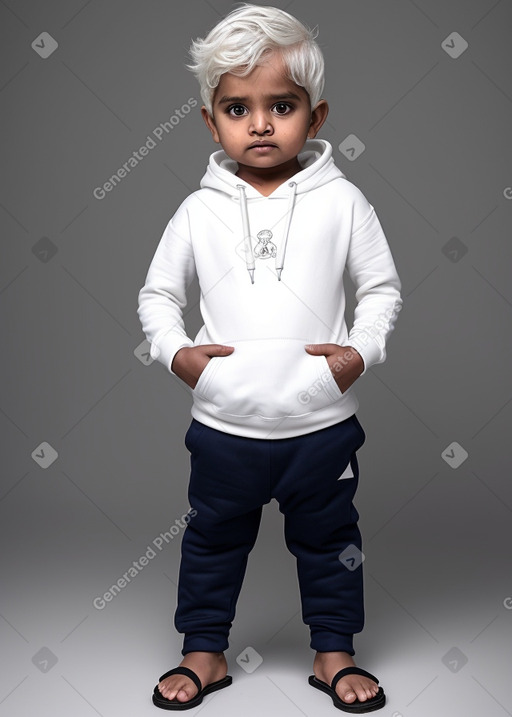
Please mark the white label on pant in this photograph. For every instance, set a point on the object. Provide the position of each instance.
(347, 473)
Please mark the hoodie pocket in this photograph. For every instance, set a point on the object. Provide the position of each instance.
(270, 378)
(206, 375)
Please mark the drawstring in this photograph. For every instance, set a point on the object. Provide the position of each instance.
(249, 253)
(282, 248)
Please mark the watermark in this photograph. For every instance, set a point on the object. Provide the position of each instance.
(508, 603)
(44, 659)
(159, 133)
(137, 566)
(454, 45)
(351, 557)
(454, 455)
(454, 659)
(44, 45)
(249, 660)
(454, 249)
(382, 322)
(352, 147)
(44, 455)
(316, 387)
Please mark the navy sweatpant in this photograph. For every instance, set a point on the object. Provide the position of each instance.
(231, 478)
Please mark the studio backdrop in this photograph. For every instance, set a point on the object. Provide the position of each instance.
(101, 140)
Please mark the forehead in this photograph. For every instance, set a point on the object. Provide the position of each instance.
(266, 81)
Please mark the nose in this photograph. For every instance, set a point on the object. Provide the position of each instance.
(261, 123)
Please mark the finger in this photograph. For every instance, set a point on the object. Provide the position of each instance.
(320, 348)
(217, 349)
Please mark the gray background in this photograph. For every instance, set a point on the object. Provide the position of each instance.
(75, 372)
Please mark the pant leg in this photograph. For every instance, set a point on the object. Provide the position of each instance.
(320, 523)
(228, 486)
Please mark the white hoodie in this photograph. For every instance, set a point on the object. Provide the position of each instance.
(270, 270)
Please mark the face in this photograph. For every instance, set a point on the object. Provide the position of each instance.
(262, 120)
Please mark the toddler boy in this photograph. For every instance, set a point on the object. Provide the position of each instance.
(269, 235)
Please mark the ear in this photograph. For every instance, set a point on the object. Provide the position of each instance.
(318, 117)
(210, 123)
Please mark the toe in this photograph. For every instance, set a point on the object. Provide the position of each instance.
(350, 691)
(367, 692)
(176, 690)
(363, 695)
(164, 691)
(183, 695)
(348, 695)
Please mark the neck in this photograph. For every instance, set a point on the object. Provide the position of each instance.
(265, 180)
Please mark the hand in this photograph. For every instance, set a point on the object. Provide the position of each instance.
(345, 362)
(189, 362)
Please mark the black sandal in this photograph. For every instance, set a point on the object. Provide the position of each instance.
(160, 701)
(356, 707)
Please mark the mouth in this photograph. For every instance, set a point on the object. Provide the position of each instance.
(262, 145)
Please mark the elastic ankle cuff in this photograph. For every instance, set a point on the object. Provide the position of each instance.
(322, 641)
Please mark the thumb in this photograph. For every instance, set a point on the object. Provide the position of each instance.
(217, 349)
(317, 348)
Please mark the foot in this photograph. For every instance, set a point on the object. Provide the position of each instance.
(209, 667)
(351, 687)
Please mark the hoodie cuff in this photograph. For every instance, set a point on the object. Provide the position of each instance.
(368, 349)
(165, 348)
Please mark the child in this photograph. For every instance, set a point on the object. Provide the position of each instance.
(269, 235)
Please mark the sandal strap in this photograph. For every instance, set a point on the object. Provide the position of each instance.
(181, 670)
(351, 671)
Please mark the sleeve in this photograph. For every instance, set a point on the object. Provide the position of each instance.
(163, 297)
(371, 268)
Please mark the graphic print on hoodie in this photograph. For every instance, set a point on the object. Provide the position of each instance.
(270, 271)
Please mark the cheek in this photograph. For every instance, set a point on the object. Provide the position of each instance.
(295, 136)
(300, 125)
(230, 131)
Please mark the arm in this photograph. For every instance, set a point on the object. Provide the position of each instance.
(161, 303)
(371, 267)
(163, 297)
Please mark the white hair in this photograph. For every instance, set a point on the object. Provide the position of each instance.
(245, 37)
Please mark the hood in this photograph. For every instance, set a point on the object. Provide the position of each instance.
(318, 169)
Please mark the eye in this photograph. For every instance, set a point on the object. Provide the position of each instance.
(236, 110)
(282, 108)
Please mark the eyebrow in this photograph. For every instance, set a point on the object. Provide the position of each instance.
(283, 96)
